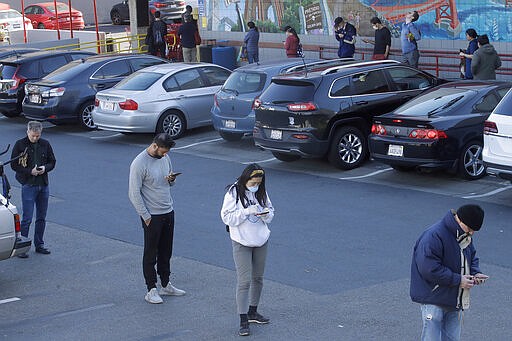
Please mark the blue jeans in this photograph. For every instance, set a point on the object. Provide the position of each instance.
(253, 57)
(440, 324)
(411, 58)
(34, 195)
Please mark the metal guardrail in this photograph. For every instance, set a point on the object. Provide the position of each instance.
(110, 45)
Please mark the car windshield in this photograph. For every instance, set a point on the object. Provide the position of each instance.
(138, 81)
(60, 7)
(245, 82)
(434, 102)
(68, 71)
(10, 14)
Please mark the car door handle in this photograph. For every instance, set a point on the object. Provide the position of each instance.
(362, 102)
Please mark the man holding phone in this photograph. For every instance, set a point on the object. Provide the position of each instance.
(151, 179)
(444, 269)
(32, 173)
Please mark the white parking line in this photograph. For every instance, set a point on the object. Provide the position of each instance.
(488, 194)
(197, 143)
(9, 300)
(268, 160)
(367, 175)
(104, 137)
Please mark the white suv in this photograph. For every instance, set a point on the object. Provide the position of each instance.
(497, 153)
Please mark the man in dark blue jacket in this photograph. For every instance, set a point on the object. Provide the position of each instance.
(444, 268)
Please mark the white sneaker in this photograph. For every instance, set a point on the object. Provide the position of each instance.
(169, 290)
(153, 297)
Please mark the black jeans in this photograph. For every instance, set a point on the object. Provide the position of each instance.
(158, 238)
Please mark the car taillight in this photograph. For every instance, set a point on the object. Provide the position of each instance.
(55, 92)
(215, 101)
(129, 104)
(429, 134)
(159, 4)
(307, 106)
(17, 225)
(490, 127)
(18, 81)
(96, 102)
(256, 103)
(378, 129)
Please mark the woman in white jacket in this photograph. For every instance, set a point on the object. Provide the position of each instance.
(246, 211)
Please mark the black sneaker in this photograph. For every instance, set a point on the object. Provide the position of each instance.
(244, 329)
(42, 250)
(23, 255)
(257, 318)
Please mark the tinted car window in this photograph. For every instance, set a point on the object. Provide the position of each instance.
(434, 101)
(7, 71)
(118, 68)
(53, 63)
(245, 82)
(487, 104)
(139, 81)
(215, 75)
(170, 84)
(68, 71)
(141, 63)
(505, 105)
(287, 93)
(369, 83)
(189, 79)
(408, 79)
(340, 87)
(30, 70)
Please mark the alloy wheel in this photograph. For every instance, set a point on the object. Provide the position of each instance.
(350, 148)
(172, 125)
(86, 116)
(472, 161)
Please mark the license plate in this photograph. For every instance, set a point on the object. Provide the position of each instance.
(108, 106)
(230, 124)
(276, 134)
(395, 150)
(35, 98)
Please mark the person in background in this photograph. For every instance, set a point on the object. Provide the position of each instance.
(188, 11)
(149, 190)
(187, 33)
(468, 53)
(291, 43)
(251, 41)
(382, 42)
(32, 170)
(155, 37)
(443, 270)
(246, 211)
(485, 60)
(345, 33)
(409, 37)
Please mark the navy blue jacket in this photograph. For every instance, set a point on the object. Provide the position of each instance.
(472, 47)
(436, 264)
(251, 40)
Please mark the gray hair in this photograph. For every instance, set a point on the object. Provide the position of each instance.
(35, 126)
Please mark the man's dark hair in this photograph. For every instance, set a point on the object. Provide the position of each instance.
(188, 8)
(472, 33)
(164, 140)
(375, 21)
(286, 28)
(251, 24)
(415, 16)
(483, 39)
(338, 21)
(157, 14)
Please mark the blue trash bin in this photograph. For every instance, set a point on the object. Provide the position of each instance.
(224, 56)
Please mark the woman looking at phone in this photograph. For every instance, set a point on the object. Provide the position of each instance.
(247, 210)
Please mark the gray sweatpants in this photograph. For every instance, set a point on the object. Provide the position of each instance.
(250, 265)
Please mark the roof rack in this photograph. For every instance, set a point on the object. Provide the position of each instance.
(318, 63)
(373, 62)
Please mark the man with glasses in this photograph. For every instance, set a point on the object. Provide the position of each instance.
(444, 269)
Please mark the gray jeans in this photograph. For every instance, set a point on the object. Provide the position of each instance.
(411, 58)
(189, 54)
(250, 265)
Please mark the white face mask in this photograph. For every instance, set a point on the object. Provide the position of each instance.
(253, 189)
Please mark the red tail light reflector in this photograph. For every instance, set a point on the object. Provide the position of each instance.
(18, 81)
(490, 127)
(129, 104)
(17, 225)
(429, 134)
(96, 102)
(215, 101)
(300, 136)
(307, 106)
(256, 103)
(378, 129)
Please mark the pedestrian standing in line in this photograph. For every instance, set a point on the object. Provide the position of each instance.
(471, 36)
(246, 211)
(345, 33)
(485, 60)
(151, 179)
(187, 32)
(32, 170)
(382, 42)
(155, 37)
(444, 269)
(251, 41)
(291, 44)
(188, 11)
(409, 37)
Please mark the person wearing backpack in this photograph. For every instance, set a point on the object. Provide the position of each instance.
(155, 37)
(187, 33)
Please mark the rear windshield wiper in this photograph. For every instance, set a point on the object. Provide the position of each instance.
(447, 105)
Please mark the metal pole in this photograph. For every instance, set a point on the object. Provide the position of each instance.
(97, 28)
(56, 18)
(23, 15)
(70, 19)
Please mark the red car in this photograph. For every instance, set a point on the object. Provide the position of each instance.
(43, 15)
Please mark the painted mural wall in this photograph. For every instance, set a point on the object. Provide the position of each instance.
(439, 19)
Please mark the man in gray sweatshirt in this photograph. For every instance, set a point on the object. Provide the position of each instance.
(151, 178)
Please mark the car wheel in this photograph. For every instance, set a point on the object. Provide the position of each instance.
(348, 148)
(403, 168)
(85, 116)
(172, 123)
(471, 165)
(231, 136)
(116, 18)
(41, 26)
(286, 157)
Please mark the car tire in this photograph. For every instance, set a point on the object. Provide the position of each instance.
(116, 18)
(285, 157)
(349, 148)
(403, 168)
(232, 137)
(471, 165)
(85, 116)
(172, 123)
(41, 26)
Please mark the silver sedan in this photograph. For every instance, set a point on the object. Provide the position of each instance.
(167, 98)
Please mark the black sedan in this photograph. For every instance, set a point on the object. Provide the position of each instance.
(440, 129)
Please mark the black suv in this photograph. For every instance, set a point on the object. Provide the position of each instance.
(329, 112)
(16, 70)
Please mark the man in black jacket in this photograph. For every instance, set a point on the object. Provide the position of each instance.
(32, 173)
(155, 37)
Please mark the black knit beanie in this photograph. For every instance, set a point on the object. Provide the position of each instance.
(472, 216)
